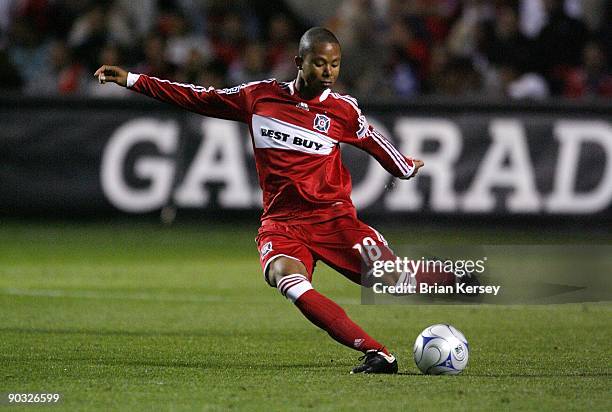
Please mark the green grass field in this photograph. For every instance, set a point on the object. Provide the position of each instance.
(145, 317)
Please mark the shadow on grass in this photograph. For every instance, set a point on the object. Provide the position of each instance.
(225, 364)
(203, 365)
(540, 375)
(190, 333)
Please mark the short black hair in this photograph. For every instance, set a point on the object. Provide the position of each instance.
(314, 36)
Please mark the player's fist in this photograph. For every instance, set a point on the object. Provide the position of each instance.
(417, 165)
(112, 74)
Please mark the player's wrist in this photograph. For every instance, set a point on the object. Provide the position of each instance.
(132, 78)
(411, 172)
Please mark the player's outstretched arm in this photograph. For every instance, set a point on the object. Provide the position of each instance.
(112, 74)
(227, 104)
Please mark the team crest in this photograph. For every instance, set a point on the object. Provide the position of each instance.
(321, 123)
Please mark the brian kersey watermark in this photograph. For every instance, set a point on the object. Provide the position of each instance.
(431, 276)
(460, 288)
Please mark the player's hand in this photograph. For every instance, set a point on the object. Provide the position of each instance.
(417, 165)
(112, 74)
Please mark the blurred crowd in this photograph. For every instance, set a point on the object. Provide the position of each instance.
(521, 49)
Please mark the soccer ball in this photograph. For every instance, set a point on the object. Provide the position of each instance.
(441, 350)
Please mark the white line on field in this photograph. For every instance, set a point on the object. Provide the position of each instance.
(93, 294)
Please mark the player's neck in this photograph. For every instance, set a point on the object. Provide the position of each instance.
(305, 92)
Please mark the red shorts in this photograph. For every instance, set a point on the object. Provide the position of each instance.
(345, 243)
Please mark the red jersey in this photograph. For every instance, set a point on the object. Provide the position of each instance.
(296, 141)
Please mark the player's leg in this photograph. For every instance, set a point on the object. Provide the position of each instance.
(291, 278)
(288, 266)
(355, 249)
(337, 243)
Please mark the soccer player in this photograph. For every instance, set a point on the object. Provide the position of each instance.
(308, 215)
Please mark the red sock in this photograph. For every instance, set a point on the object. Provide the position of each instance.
(330, 317)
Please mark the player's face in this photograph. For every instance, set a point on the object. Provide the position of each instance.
(321, 66)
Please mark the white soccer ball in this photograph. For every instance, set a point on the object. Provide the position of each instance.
(441, 350)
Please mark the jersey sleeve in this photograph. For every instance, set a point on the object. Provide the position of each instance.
(230, 104)
(364, 136)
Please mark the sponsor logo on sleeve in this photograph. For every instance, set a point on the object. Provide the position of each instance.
(232, 90)
(363, 127)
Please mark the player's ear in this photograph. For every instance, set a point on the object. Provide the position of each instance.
(298, 62)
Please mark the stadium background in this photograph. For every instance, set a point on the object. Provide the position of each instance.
(128, 272)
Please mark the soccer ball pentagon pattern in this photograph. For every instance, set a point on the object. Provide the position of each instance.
(441, 350)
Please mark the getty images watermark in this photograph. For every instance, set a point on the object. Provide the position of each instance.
(427, 276)
(506, 274)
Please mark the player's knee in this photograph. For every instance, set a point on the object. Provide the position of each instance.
(282, 267)
(289, 276)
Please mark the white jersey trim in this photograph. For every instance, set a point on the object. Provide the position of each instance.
(272, 259)
(291, 86)
(393, 153)
(324, 95)
(193, 87)
(200, 89)
(132, 78)
(350, 100)
(397, 157)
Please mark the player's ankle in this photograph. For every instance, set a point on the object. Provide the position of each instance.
(384, 350)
